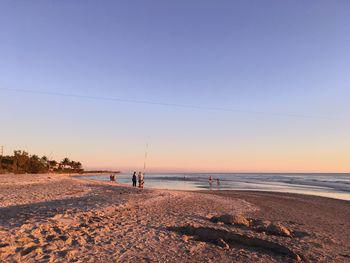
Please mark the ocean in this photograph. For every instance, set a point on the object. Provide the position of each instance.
(333, 185)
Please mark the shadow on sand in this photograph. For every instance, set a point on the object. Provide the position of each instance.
(99, 196)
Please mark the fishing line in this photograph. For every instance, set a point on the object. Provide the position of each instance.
(145, 159)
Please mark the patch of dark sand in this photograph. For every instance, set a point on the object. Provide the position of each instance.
(222, 237)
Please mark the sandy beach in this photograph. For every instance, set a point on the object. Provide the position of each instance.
(57, 218)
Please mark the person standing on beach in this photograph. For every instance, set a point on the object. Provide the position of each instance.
(134, 179)
(112, 177)
(141, 180)
(210, 182)
(217, 183)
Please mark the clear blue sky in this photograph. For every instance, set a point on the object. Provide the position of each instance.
(265, 60)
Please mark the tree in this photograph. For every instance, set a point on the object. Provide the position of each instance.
(35, 165)
(65, 162)
(7, 164)
(75, 165)
(20, 161)
(53, 163)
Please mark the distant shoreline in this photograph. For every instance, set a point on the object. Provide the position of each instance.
(65, 173)
(101, 172)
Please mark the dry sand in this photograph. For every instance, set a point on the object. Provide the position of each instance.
(55, 218)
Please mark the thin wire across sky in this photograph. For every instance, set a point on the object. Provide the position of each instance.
(165, 104)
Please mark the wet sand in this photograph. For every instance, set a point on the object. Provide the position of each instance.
(56, 218)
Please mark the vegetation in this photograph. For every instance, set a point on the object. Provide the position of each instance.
(21, 162)
(101, 172)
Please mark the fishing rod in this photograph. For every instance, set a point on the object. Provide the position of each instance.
(145, 159)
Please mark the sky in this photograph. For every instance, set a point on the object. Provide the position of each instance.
(211, 86)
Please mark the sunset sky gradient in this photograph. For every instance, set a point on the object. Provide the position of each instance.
(280, 69)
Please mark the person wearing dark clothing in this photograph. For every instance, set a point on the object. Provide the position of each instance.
(134, 179)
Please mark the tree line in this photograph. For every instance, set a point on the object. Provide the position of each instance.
(21, 162)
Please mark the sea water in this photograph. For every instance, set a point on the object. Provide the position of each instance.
(333, 185)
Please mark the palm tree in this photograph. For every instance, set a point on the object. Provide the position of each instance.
(65, 162)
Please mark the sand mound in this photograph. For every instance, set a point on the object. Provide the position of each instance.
(224, 238)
